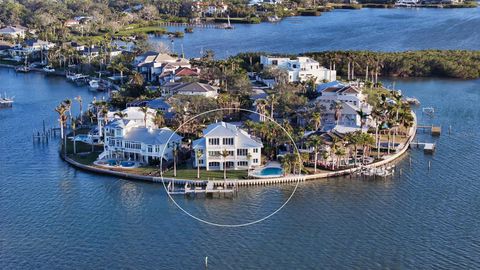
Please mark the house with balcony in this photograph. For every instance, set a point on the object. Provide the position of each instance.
(152, 64)
(13, 31)
(244, 151)
(300, 69)
(349, 102)
(126, 140)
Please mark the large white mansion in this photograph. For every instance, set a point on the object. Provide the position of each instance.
(244, 150)
(300, 69)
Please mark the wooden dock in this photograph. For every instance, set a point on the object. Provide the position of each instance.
(428, 148)
(434, 130)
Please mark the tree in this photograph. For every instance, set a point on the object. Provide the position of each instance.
(159, 119)
(74, 128)
(145, 112)
(224, 154)
(316, 120)
(80, 103)
(337, 107)
(198, 155)
(61, 109)
(315, 141)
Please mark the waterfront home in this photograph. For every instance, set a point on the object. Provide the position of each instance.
(31, 48)
(190, 89)
(300, 69)
(13, 31)
(125, 140)
(135, 115)
(244, 150)
(342, 105)
(152, 64)
(260, 2)
(156, 104)
(178, 75)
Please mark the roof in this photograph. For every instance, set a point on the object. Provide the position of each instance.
(193, 87)
(11, 30)
(334, 84)
(183, 71)
(223, 129)
(152, 136)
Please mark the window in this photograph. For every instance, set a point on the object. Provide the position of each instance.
(242, 163)
(214, 141)
(242, 152)
(214, 153)
(275, 62)
(111, 142)
(255, 150)
(255, 160)
(214, 164)
(227, 141)
(149, 149)
(200, 161)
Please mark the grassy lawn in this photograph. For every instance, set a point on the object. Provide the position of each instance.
(86, 159)
(212, 175)
(144, 30)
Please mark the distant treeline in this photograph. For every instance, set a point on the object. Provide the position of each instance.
(425, 63)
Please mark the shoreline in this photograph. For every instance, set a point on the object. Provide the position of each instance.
(246, 182)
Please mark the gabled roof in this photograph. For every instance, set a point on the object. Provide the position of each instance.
(194, 87)
(11, 30)
(223, 129)
(334, 84)
(152, 136)
(220, 129)
(183, 71)
(158, 103)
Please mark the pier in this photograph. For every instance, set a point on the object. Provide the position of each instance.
(434, 130)
(210, 188)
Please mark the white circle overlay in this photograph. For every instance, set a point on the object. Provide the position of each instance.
(229, 225)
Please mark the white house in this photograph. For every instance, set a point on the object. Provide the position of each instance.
(152, 64)
(351, 101)
(13, 31)
(244, 150)
(126, 140)
(135, 115)
(300, 69)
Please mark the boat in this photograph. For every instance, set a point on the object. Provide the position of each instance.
(94, 85)
(228, 25)
(22, 69)
(273, 19)
(49, 69)
(407, 3)
(6, 102)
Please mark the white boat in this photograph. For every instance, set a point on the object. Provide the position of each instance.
(407, 3)
(94, 85)
(22, 69)
(49, 69)
(228, 25)
(6, 102)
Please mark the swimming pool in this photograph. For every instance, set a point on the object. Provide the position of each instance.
(268, 172)
(127, 164)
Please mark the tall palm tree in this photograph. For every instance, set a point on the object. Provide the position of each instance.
(144, 110)
(198, 155)
(159, 119)
(174, 146)
(74, 128)
(316, 120)
(61, 109)
(337, 107)
(224, 154)
(315, 141)
(68, 106)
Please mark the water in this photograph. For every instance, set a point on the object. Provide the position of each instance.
(366, 29)
(271, 171)
(54, 216)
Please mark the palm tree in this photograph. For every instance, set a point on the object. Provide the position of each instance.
(120, 114)
(261, 105)
(337, 107)
(316, 119)
(224, 154)
(68, 106)
(174, 145)
(198, 155)
(159, 120)
(144, 110)
(80, 103)
(74, 127)
(61, 109)
(363, 118)
(315, 141)
(340, 152)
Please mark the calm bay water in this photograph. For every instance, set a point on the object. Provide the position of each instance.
(55, 217)
(366, 29)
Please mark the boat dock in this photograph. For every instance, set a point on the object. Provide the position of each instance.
(434, 130)
(428, 148)
(210, 189)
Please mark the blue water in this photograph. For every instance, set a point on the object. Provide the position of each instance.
(271, 171)
(127, 163)
(366, 29)
(53, 216)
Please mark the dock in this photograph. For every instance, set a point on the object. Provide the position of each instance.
(428, 148)
(434, 130)
(210, 189)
